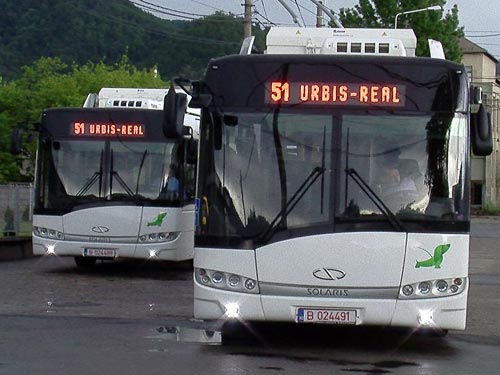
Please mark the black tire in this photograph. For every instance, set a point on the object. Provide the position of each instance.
(432, 332)
(84, 262)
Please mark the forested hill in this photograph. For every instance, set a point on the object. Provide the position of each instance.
(96, 30)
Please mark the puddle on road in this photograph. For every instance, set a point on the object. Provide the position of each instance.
(188, 335)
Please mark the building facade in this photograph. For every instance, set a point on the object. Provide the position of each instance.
(485, 171)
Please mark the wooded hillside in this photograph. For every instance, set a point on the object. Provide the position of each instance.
(94, 30)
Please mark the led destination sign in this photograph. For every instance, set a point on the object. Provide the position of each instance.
(104, 129)
(335, 94)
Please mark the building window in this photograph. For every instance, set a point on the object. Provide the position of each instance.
(476, 193)
(468, 69)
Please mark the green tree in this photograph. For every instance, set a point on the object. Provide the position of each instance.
(436, 25)
(49, 82)
(203, 39)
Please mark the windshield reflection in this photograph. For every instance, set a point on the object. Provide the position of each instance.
(265, 158)
(84, 172)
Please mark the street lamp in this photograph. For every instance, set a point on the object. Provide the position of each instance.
(434, 7)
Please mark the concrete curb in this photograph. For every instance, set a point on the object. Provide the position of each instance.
(12, 248)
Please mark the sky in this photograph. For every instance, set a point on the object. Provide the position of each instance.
(479, 18)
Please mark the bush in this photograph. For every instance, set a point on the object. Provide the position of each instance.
(490, 209)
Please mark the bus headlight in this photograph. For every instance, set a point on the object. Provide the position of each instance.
(234, 280)
(48, 233)
(158, 237)
(424, 287)
(217, 277)
(407, 290)
(226, 281)
(441, 286)
(433, 288)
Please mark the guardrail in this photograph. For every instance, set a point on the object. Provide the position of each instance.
(16, 210)
(15, 221)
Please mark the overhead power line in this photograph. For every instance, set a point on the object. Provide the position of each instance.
(206, 5)
(176, 36)
(483, 36)
(171, 10)
(142, 6)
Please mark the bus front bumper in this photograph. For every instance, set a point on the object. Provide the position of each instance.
(440, 313)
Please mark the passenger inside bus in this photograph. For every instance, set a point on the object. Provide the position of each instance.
(172, 187)
(399, 181)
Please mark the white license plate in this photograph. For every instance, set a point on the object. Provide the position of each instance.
(306, 315)
(101, 253)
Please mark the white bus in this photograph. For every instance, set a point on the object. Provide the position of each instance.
(333, 183)
(113, 180)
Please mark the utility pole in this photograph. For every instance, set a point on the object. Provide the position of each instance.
(319, 16)
(247, 21)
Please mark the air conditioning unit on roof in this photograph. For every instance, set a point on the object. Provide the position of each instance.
(327, 41)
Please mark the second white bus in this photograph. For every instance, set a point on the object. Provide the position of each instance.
(114, 182)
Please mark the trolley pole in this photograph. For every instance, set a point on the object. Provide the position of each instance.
(319, 16)
(247, 21)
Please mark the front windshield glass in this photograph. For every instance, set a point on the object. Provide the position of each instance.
(77, 172)
(273, 172)
(414, 165)
(292, 172)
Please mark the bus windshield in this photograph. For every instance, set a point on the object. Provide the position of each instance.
(273, 173)
(79, 172)
(366, 144)
(134, 168)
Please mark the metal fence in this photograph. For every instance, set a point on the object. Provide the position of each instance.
(16, 209)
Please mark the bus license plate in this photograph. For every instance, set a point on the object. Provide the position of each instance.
(101, 253)
(305, 315)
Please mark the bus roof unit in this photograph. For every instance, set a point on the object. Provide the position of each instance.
(132, 97)
(119, 97)
(336, 41)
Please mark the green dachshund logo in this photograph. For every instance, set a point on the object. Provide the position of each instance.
(158, 221)
(436, 259)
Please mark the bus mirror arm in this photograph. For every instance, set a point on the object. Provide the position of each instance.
(192, 151)
(481, 132)
(20, 135)
(199, 99)
(16, 141)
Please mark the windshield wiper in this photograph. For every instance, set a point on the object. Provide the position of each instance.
(113, 175)
(291, 203)
(386, 211)
(140, 171)
(91, 181)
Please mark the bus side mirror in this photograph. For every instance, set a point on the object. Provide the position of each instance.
(16, 143)
(481, 132)
(174, 108)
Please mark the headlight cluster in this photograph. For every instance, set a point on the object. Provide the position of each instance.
(158, 237)
(48, 233)
(433, 288)
(226, 281)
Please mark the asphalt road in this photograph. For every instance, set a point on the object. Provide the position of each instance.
(135, 318)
